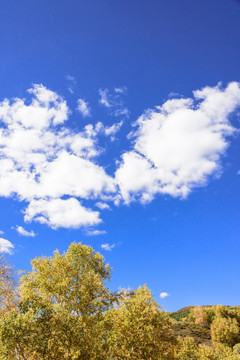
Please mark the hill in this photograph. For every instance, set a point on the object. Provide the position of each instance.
(183, 325)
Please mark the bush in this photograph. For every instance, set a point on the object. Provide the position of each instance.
(186, 349)
(225, 331)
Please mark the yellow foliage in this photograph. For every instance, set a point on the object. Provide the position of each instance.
(138, 329)
(200, 316)
(207, 353)
(186, 349)
(66, 311)
(7, 289)
(63, 300)
(225, 331)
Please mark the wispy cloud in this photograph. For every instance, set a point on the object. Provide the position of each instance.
(6, 246)
(95, 232)
(108, 247)
(71, 83)
(84, 108)
(174, 95)
(113, 101)
(121, 90)
(70, 78)
(113, 130)
(23, 232)
(103, 206)
(105, 98)
(100, 129)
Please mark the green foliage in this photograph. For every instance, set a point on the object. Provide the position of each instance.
(179, 315)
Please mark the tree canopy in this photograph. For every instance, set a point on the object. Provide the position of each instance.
(64, 309)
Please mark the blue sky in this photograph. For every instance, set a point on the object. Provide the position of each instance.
(119, 127)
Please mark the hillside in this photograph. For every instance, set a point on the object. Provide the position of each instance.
(183, 325)
(200, 334)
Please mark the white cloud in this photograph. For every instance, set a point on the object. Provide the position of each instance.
(174, 95)
(54, 170)
(108, 247)
(61, 213)
(84, 108)
(104, 98)
(100, 129)
(113, 101)
(112, 130)
(121, 90)
(103, 206)
(164, 295)
(42, 161)
(1, 232)
(79, 177)
(178, 146)
(95, 232)
(6, 246)
(24, 232)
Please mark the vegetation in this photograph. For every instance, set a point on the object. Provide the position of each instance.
(63, 309)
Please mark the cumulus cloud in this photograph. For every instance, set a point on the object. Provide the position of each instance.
(178, 146)
(164, 295)
(108, 247)
(23, 232)
(113, 101)
(57, 213)
(175, 147)
(6, 246)
(42, 161)
(84, 108)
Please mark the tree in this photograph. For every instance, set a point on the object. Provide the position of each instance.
(137, 329)
(63, 300)
(200, 316)
(7, 288)
(8, 297)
